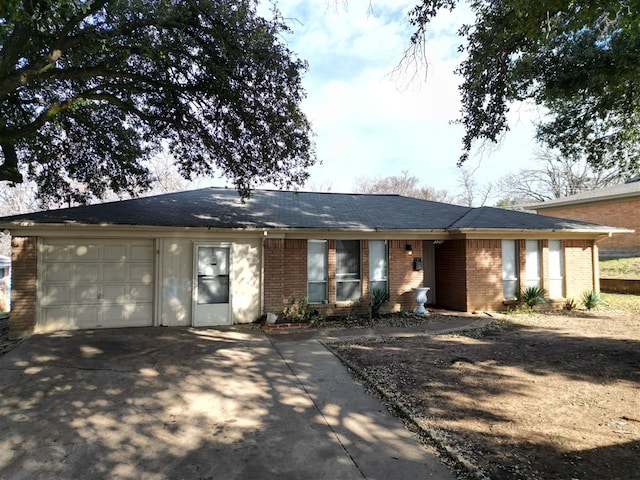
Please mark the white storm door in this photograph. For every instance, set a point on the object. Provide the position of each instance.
(212, 286)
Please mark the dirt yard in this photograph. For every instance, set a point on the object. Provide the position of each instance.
(532, 396)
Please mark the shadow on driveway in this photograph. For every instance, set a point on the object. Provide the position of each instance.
(157, 403)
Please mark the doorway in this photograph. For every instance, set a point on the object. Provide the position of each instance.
(212, 285)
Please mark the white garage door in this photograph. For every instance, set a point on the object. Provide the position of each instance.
(96, 284)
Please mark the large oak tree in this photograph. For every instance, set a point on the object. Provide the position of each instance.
(90, 89)
(579, 61)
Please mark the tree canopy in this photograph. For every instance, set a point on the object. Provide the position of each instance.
(580, 61)
(91, 89)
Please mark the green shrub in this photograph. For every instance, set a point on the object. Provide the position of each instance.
(532, 296)
(570, 304)
(591, 300)
(379, 296)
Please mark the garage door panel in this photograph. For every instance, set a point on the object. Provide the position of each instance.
(57, 317)
(86, 315)
(141, 253)
(53, 253)
(86, 293)
(127, 315)
(140, 273)
(57, 272)
(86, 253)
(114, 294)
(142, 293)
(96, 284)
(87, 272)
(57, 295)
(115, 252)
(116, 272)
(138, 313)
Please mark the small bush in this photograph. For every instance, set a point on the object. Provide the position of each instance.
(299, 311)
(532, 296)
(570, 304)
(591, 300)
(379, 296)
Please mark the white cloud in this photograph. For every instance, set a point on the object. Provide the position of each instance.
(371, 123)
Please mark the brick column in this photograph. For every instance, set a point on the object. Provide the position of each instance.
(285, 272)
(402, 276)
(22, 319)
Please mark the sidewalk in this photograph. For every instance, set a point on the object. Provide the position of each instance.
(377, 441)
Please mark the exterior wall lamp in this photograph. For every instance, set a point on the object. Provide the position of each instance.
(408, 249)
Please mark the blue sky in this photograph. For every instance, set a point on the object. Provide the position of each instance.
(371, 123)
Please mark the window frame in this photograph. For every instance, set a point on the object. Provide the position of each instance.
(509, 277)
(533, 264)
(560, 267)
(325, 267)
(342, 279)
(373, 268)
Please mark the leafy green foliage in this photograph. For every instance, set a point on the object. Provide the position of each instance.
(578, 60)
(378, 297)
(591, 300)
(570, 304)
(532, 296)
(90, 89)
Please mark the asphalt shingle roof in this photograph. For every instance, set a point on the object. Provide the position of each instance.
(223, 208)
(622, 190)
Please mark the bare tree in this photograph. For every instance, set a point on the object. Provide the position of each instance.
(404, 184)
(554, 176)
(473, 194)
(18, 198)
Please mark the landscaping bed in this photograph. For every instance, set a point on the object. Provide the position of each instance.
(550, 395)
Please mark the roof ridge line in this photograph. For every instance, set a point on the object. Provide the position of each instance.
(469, 209)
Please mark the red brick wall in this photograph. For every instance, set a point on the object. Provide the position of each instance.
(621, 213)
(451, 274)
(22, 319)
(402, 276)
(285, 275)
(285, 272)
(579, 269)
(484, 274)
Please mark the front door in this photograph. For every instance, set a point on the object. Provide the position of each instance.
(212, 293)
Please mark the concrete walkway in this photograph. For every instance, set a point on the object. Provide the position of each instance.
(229, 403)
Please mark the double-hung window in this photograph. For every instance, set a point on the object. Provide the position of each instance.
(532, 265)
(348, 287)
(556, 269)
(378, 265)
(509, 269)
(317, 271)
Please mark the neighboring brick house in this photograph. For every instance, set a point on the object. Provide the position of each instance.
(617, 205)
(204, 257)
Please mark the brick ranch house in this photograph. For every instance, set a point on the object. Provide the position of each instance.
(617, 205)
(204, 257)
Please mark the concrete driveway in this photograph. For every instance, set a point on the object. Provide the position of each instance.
(219, 404)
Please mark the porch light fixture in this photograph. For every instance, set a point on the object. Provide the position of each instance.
(409, 249)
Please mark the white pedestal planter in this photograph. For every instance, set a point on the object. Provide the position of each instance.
(421, 299)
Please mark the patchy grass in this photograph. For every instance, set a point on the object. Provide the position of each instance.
(624, 267)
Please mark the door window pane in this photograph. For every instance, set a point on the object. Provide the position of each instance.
(213, 275)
